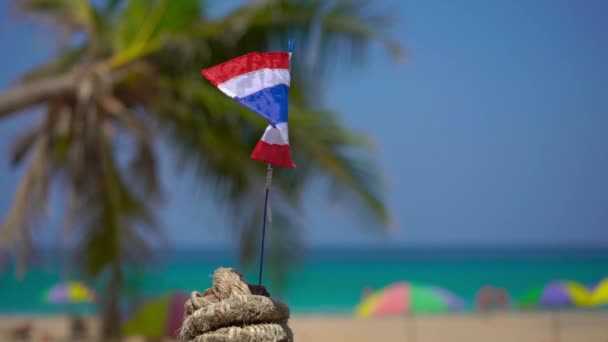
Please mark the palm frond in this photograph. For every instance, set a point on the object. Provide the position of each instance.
(29, 204)
(111, 220)
(23, 144)
(75, 15)
(145, 24)
(342, 156)
(347, 25)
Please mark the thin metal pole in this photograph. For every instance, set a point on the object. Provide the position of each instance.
(268, 181)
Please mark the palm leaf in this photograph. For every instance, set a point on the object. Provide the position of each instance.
(75, 15)
(346, 24)
(29, 204)
(329, 147)
(23, 144)
(115, 216)
(146, 23)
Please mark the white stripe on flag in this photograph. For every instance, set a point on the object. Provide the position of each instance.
(276, 135)
(252, 82)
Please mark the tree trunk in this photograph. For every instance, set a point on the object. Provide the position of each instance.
(111, 311)
(32, 93)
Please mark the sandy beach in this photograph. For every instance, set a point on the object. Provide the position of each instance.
(499, 327)
(507, 327)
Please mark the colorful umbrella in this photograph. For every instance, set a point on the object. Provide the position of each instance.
(158, 318)
(558, 294)
(70, 292)
(406, 298)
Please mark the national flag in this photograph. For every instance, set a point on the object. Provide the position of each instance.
(260, 82)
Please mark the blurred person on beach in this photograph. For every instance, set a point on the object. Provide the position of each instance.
(490, 299)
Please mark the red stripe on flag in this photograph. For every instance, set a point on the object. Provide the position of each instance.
(246, 63)
(277, 155)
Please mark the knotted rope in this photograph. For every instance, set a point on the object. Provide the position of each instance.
(232, 310)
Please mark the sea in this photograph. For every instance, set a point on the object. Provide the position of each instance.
(329, 280)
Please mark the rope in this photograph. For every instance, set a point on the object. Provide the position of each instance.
(232, 310)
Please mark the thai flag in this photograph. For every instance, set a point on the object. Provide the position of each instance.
(260, 82)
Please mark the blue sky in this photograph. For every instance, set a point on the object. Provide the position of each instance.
(493, 132)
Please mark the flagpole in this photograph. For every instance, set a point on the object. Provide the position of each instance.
(268, 182)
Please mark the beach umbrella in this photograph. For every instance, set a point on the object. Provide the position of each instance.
(558, 294)
(405, 298)
(70, 293)
(158, 318)
(409, 299)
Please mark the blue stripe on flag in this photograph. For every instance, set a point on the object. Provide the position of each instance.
(270, 103)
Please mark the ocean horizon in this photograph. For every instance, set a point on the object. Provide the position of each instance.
(331, 279)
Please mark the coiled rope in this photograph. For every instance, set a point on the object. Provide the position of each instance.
(232, 310)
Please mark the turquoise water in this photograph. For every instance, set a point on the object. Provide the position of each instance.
(331, 280)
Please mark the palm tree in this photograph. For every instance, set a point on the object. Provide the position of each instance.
(133, 84)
